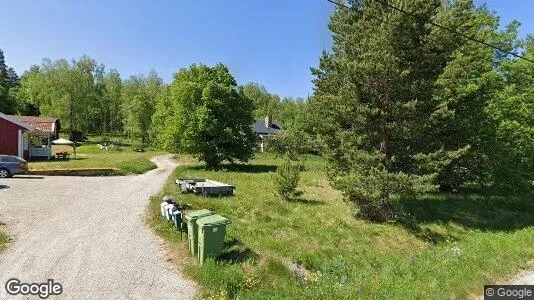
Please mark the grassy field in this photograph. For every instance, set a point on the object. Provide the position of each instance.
(454, 245)
(89, 156)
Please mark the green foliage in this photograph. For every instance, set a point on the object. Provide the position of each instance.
(467, 84)
(458, 241)
(120, 159)
(401, 108)
(212, 272)
(9, 82)
(373, 105)
(203, 113)
(138, 146)
(512, 109)
(110, 103)
(287, 180)
(290, 143)
(265, 103)
(139, 96)
(292, 113)
(85, 98)
(70, 91)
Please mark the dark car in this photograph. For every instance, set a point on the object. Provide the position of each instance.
(12, 165)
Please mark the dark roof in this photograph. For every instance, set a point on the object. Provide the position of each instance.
(259, 127)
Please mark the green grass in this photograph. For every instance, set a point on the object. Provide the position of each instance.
(4, 239)
(454, 245)
(89, 156)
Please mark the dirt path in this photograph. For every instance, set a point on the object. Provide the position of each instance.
(88, 234)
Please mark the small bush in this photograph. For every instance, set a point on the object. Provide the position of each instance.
(287, 180)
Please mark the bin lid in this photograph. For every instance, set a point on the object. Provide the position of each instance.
(212, 220)
(198, 214)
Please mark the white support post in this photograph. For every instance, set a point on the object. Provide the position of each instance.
(20, 144)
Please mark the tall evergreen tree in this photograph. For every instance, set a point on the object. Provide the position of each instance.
(373, 102)
(3, 69)
(9, 82)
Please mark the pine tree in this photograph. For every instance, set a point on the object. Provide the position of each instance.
(9, 81)
(373, 103)
(3, 69)
(468, 83)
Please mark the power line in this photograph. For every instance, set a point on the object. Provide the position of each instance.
(416, 16)
(370, 16)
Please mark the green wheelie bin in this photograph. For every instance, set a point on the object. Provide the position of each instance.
(192, 228)
(211, 232)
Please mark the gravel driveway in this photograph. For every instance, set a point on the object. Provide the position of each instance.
(88, 234)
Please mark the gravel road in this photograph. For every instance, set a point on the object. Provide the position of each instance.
(524, 278)
(88, 234)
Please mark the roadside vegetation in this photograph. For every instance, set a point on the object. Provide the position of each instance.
(313, 247)
(403, 108)
(118, 160)
(426, 142)
(4, 239)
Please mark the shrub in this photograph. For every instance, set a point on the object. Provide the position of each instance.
(290, 143)
(287, 180)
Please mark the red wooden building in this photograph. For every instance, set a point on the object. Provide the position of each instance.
(11, 131)
(27, 138)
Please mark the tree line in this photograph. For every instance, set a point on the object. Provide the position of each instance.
(403, 107)
(87, 97)
(400, 107)
(82, 95)
(203, 111)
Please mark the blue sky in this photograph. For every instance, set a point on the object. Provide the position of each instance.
(270, 42)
